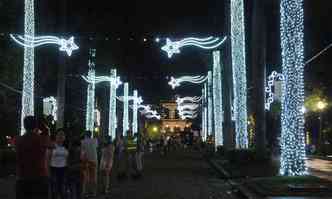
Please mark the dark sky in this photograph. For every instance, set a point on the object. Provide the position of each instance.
(99, 24)
(143, 64)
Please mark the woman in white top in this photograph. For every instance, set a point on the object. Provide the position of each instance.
(58, 164)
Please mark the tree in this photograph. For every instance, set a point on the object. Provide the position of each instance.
(258, 66)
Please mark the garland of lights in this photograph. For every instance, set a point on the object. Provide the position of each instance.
(217, 99)
(145, 108)
(173, 47)
(28, 67)
(125, 121)
(112, 122)
(180, 100)
(239, 72)
(188, 114)
(137, 102)
(204, 116)
(53, 107)
(292, 141)
(176, 82)
(187, 106)
(29, 41)
(210, 104)
(90, 104)
(152, 116)
(268, 89)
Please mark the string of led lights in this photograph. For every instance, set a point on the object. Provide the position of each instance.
(176, 82)
(239, 72)
(188, 114)
(210, 104)
(187, 106)
(137, 102)
(28, 67)
(292, 141)
(274, 76)
(204, 114)
(112, 122)
(173, 47)
(180, 100)
(54, 106)
(90, 104)
(33, 41)
(125, 119)
(153, 116)
(217, 100)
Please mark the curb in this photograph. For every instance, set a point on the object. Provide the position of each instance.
(243, 191)
(224, 174)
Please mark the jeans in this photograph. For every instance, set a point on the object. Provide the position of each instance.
(58, 182)
(74, 186)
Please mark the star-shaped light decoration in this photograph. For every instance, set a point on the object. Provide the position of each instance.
(68, 45)
(173, 83)
(171, 47)
(117, 82)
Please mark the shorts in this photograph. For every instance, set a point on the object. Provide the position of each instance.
(90, 172)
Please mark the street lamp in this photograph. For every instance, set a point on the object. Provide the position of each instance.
(321, 105)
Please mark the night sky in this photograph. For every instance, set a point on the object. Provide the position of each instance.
(100, 25)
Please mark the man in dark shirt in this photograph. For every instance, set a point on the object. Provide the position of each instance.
(32, 173)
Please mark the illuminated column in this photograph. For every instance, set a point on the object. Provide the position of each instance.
(90, 104)
(135, 109)
(28, 68)
(125, 123)
(217, 100)
(112, 110)
(239, 73)
(210, 105)
(205, 111)
(204, 114)
(292, 118)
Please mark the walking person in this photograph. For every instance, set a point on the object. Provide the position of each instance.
(121, 157)
(31, 166)
(89, 147)
(58, 165)
(74, 175)
(139, 156)
(106, 164)
(131, 146)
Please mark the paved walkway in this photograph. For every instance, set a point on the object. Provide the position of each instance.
(321, 168)
(181, 175)
(176, 176)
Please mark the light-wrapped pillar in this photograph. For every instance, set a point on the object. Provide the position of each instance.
(239, 73)
(135, 111)
(29, 62)
(112, 109)
(292, 101)
(217, 100)
(210, 105)
(125, 122)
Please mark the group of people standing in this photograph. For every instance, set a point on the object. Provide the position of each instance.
(56, 168)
